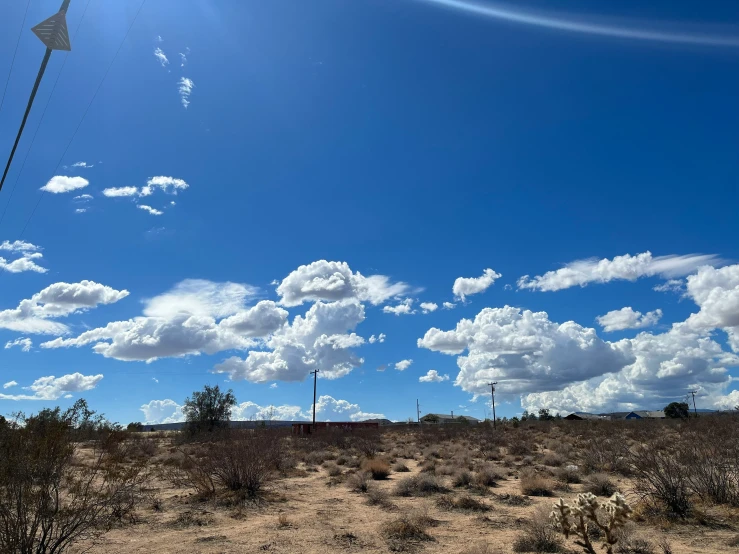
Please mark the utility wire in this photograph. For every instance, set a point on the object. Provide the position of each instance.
(41, 197)
(17, 42)
(33, 139)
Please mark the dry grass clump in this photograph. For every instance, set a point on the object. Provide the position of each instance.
(400, 467)
(533, 484)
(552, 459)
(600, 484)
(419, 485)
(486, 476)
(378, 497)
(538, 534)
(465, 503)
(407, 530)
(513, 499)
(332, 469)
(377, 467)
(358, 482)
(569, 474)
(462, 479)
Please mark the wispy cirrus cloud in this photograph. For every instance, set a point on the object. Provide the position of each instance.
(161, 56)
(623, 268)
(185, 89)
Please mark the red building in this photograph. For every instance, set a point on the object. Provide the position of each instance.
(305, 428)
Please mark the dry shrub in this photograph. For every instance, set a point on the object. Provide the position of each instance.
(400, 467)
(660, 478)
(190, 518)
(552, 459)
(486, 476)
(479, 548)
(465, 503)
(600, 484)
(377, 467)
(538, 535)
(533, 484)
(49, 498)
(378, 497)
(332, 469)
(568, 474)
(513, 500)
(462, 479)
(240, 462)
(428, 467)
(419, 485)
(409, 528)
(358, 482)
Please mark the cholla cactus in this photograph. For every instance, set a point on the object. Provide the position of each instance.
(574, 519)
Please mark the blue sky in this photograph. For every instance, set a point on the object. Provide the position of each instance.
(333, 161)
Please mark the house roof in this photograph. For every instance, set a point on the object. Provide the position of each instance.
(450, 416)
(585, 415)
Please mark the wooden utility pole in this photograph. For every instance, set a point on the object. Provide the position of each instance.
(492, 393)
(315, 378)
(418, 411)
(53, 33)
(695, 410)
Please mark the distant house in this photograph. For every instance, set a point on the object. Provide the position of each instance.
(379, 421)
(442, 419)
(579, 416)
(637, 414)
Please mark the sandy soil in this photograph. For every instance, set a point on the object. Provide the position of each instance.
(315, 513)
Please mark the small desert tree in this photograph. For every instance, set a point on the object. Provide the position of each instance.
(49, 500)
(677, 410)
(209, 409)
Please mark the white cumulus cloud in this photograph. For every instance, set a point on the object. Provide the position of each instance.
(149, 209)
(321, 339)
(330, 281)
(195, 317)
(60, 184)
(115, 192)
(162, 411)
(24, 343)
(428, 307)
(402, 365)
(170, 185)
(432, 376)
(53, 388)
(466, 286)
(34, 315)
(404, 307)
(628, 318)
(626, 267)
(449, 305)
(524, 350)
(379, 338)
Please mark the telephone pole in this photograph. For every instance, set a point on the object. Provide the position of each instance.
(315, 378)
(695, 410)
(53, 33)
(492, 393)
(418, 411)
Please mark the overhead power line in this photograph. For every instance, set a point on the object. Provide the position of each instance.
(12, 63)
(53, 33)
(87, 109)
(43, 114)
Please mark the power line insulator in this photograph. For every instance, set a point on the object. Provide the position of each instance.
(53, 32)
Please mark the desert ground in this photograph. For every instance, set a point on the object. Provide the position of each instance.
(449, 489)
